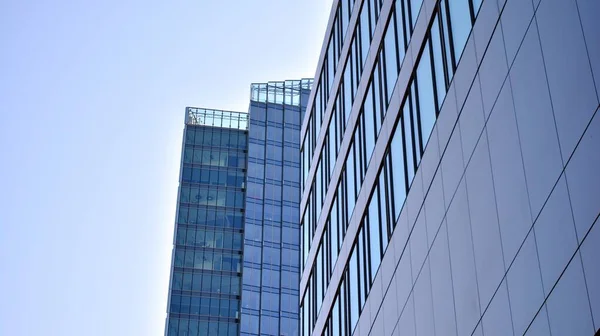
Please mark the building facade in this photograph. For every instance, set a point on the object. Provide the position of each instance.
(449, 167)
(206, 272)
(271, 271)
(236, 255)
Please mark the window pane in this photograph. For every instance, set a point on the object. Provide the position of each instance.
(369, 119)
(426, 97)
(461, 24)
(374, 234)
(438, 61)
(408, 148)
(353, 285)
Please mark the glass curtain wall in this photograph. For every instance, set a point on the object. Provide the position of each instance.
(204, 297)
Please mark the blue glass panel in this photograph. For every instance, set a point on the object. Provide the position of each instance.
(460, 18)
(426, 95)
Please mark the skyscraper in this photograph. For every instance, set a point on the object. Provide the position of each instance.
(450, 167)
(271, 272)
(236, 264)
(205, 287)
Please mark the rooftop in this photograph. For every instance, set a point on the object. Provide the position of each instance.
(216, 118)
(283, 92)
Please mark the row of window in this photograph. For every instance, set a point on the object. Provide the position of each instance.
(286, 235)
(208, 238)
(271, 213)
(201, 216)
(214, 157)
(205, 282)
(361, 40)
(277, 114)
(373, 236)
(270, 301)
(207, 260)
(285, 193)
(275, 279)
(268, 325)
(379, 92)
(271, 171)
(421, 106)
(418, 121)
(201, 305)
(275, 152)
(191, 327)
(270, 255)
(212, 196)
(218, 177)
(215, 137)
(271, 131)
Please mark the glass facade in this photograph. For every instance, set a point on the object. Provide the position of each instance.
(271, 271)
(448, 172)
(236, 255)
(204, 297)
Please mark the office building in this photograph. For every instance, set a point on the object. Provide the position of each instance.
(450, 159)
(271, 271)
(236, 255)
(205, 286)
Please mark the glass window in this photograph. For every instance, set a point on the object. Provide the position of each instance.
(390, 49)
(273, 172)
(384, 207)
(350, 187)
(363, 267)
(242, 140)
(207, 141)
(318, 274)
(177, 280)
(438, 61)
(347, 91)
(374, 11)
(233, 139)
(460, 18)
(415, 8)
(427, 113)
(257, 132)
(407, 132)
(189, 135)
(256, 151)
(270, 278)
(271, 256)
(270, 301)
(374, 224)
(377, 96)
(274, 133)
(365, 37)
(274, 114)
(333, 232)
(257, 113)
(476, 6)
(353, 287)
(250, 300)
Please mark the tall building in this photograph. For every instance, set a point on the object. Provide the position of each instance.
(236, 255)
(450, 167)
(271, 272)
(205, 287)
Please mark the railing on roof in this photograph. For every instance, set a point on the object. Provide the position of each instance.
(216, 118)
(286, 92)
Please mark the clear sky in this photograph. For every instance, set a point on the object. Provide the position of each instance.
(92, 97)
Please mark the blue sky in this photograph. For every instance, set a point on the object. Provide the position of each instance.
(92, 95)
